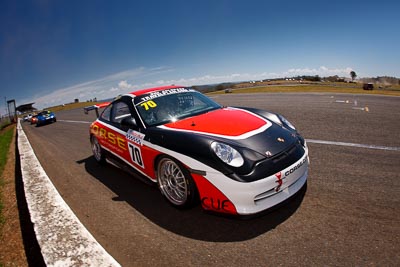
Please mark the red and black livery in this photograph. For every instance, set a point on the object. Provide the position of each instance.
(233, 160)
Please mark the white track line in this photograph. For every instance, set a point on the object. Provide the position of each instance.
(62, 238)
(88, 122)
(391, 148)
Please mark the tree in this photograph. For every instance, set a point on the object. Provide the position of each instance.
(353, 75)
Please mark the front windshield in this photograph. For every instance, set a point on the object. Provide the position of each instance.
(43, 113)
(171, 105)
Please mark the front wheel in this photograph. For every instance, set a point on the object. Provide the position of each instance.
(176, 183)
(98, 152)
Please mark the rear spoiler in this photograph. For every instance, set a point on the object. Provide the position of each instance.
(95, 107)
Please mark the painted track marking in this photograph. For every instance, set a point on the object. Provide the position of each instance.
(88, 122)
(390, 148)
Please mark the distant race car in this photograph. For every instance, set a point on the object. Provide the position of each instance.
(27, 117)
(45, 117)
(232, 160)
(33, 119)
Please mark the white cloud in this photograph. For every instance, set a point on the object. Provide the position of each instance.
(102, 88)
(321, 71)
(235, 77)
(124, 85)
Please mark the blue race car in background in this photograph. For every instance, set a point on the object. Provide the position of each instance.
(45, 117)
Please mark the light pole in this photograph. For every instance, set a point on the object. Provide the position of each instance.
(5, 101)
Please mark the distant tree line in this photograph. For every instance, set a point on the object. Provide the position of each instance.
(334, 78)
(213, 87)
(315, 78)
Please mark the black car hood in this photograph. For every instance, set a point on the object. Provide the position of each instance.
(239, 128)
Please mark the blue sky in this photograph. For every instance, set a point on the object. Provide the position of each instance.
(52, 52)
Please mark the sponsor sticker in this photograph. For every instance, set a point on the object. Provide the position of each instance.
(280, 177)
(163, 93)
(135, 137)
(293, 169)
(279, 180)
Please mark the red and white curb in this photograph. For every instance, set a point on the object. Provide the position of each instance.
(62, 238)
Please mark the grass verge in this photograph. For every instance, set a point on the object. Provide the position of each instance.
(4, 123)
(5, 141)
(71, 106)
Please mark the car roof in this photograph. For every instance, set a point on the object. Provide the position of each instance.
(154, 89)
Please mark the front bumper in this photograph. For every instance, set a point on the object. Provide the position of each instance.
(260, 195)
(46, 120)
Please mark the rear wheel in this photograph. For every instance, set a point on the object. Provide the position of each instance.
(176, 183)
(98, 152)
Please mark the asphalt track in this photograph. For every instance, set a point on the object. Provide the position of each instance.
(349, 214)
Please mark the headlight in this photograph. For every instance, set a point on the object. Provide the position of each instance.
(279, 119)
(227, 154)
(286, 122)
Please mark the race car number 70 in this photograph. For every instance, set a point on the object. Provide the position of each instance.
(148, 104)
(136, 155)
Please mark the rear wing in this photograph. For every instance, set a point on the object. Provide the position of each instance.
(95, 107)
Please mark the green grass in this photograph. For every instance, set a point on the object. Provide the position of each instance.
(315, 88)
(71, 106)
(5, 141)
(4, 123)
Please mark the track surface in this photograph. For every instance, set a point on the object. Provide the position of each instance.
(348, 215)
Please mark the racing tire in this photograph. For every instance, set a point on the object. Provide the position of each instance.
(175, 183)
(98, 152)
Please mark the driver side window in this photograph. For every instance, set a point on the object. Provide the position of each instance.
(120, 111)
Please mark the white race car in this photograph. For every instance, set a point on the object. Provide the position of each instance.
(232, 160)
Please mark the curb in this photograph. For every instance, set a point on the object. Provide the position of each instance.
(62, 238)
